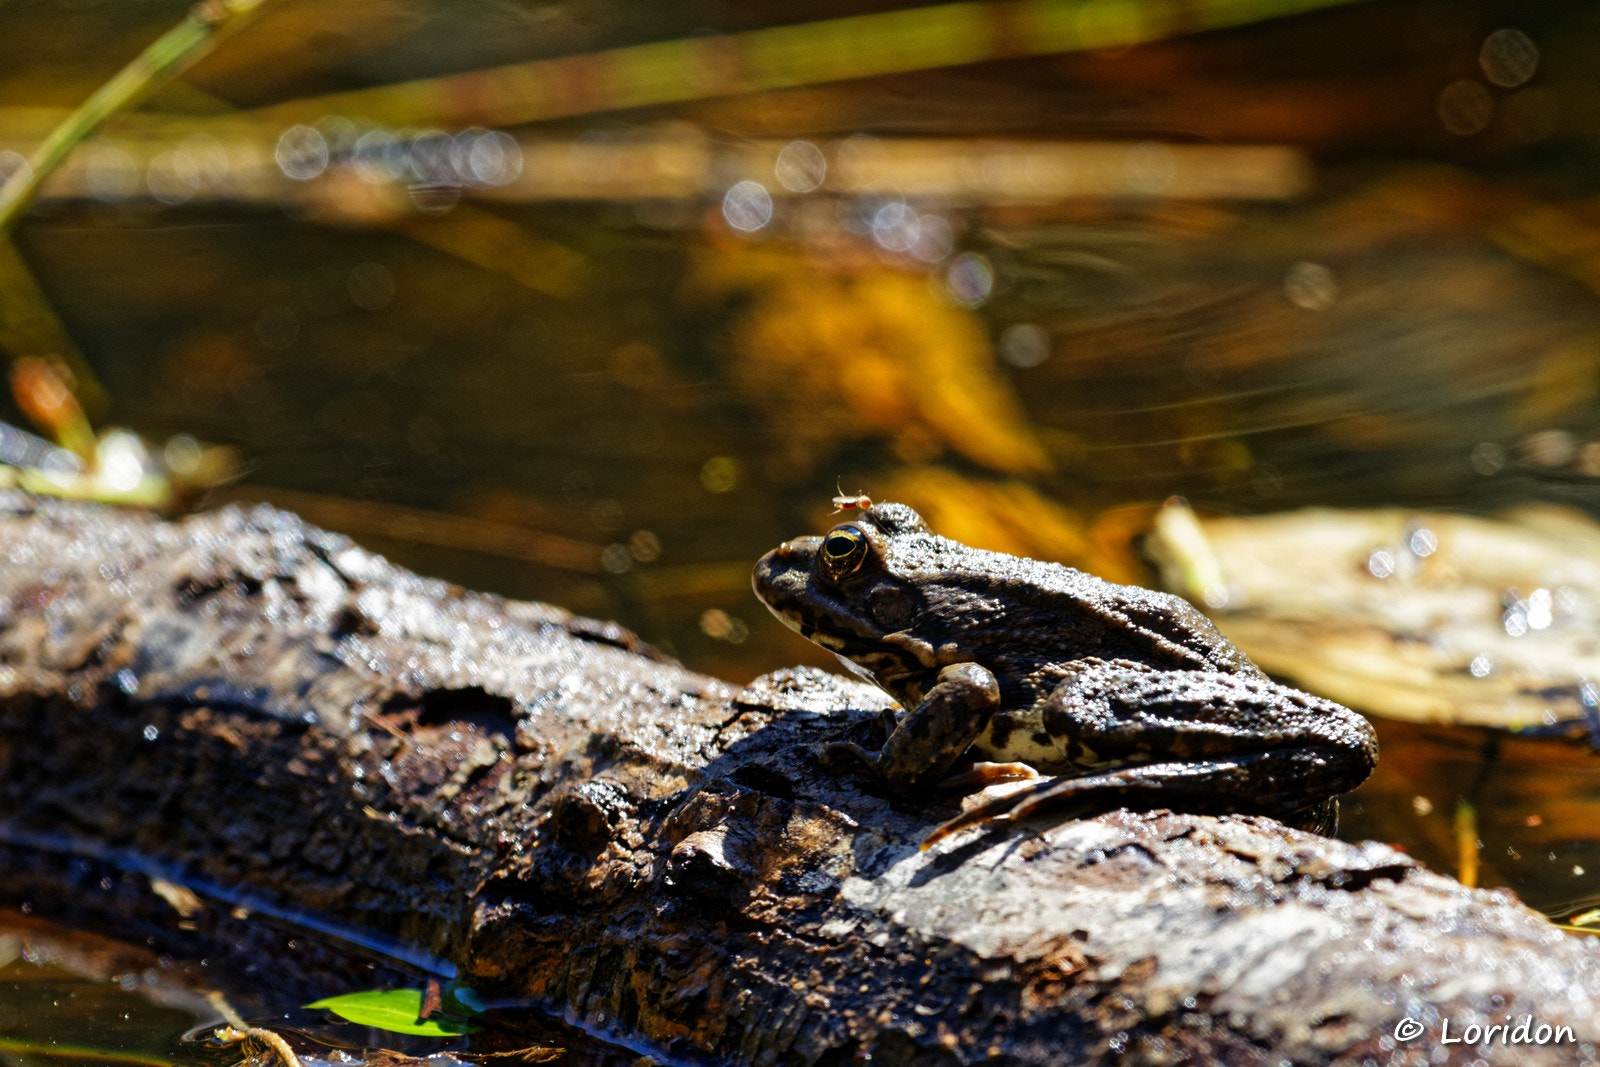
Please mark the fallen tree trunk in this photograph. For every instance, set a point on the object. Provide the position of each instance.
(536, 798)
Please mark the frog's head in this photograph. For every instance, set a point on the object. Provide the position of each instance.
(898, 604)
(881, 592)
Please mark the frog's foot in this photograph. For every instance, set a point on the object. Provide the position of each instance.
(1218, 785)
(852, 754)
(1322, 818)
(889, 718)
(1006, 805)
(856, 756)
(982, 775)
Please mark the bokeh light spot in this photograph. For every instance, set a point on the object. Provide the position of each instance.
(969, 279)
(1487, 458)
(1423, 542)
(493, 158)
(12, 162)
(181, 455)
(379, 156)
(615, 559)
(1509, 58)
(896, 227)
(1310, 286)
(302, 153)
(429, 158)
(644, 546)
(1024, 345)
(208, 157)
(110, 174)
(122, 460)
(719, 474)
(1541, 609)
(1149, 168)
(172, 177)
(747, 206)
(720, 626)
(1465, 107)
(800, 167)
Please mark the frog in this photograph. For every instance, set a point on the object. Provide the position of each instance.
(1044, 689)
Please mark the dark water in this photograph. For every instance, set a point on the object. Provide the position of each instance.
(70, 996)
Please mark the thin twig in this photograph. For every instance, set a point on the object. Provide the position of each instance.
(228, 1035)
(220, 1005)
(165, 59)
(854, 46)
(1466, 829)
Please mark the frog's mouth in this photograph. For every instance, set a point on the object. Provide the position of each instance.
(784, 581)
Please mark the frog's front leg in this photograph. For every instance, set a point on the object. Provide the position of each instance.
(1192, 740)
(936, 733)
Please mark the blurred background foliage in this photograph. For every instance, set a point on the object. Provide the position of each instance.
(594, 302)
(434, 281)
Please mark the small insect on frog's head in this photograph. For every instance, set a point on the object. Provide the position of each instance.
(858, 591)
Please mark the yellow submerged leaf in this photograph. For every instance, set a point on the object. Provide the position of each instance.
(837, 351)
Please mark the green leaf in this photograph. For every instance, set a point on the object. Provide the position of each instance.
(394, 1010)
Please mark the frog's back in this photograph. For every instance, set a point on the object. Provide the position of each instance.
(1021, 609)
(1153, 626)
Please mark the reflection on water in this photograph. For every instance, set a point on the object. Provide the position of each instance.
(71, 997)
(1518, 811)
(123, 1010)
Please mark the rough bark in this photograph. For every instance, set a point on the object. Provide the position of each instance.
(277, 714)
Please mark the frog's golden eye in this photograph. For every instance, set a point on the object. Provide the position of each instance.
(843, 551)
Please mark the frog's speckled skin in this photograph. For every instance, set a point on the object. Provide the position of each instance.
(1129, 695)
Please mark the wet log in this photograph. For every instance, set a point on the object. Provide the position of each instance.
(261, 708)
